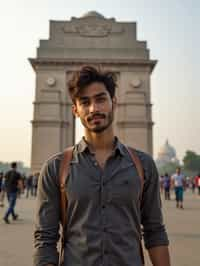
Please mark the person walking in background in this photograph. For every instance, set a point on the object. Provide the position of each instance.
(1, 179)
(161, 183)
(167, 186)
(2, 189)
(197, 181)
(35, 183)
(13, 182)
(178, 181)
(29, 185)
(193, 184)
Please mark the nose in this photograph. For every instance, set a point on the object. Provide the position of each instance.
(94, 107)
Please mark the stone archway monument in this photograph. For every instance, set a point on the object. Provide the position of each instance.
(91, 39)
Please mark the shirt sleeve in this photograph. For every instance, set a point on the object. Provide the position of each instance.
(151, 215)
(46, 233)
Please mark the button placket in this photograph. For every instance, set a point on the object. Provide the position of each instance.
(103, 214)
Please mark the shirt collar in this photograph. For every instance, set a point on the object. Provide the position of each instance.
(118, 146)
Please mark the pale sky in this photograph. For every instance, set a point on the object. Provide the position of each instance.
(171, 29)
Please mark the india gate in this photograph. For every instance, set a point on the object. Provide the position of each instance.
(98, 41)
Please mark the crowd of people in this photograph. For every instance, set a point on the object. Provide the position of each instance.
(13, 185)
(179, 183)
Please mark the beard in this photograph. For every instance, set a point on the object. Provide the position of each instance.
(98, 127)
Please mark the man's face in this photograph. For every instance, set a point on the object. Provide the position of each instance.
(95, 108)
(178, 171)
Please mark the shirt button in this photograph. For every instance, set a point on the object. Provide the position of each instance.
(95, 163)
(108, 200)
(103, 206)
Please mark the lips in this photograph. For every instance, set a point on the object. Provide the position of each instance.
(96, 120)
(96, 117)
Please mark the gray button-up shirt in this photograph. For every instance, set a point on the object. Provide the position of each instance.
(104, 210)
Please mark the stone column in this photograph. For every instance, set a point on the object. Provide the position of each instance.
(133, 121)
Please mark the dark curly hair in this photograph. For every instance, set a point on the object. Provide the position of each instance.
(87, 75)
(13, 165)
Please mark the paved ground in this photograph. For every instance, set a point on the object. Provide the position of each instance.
(183, 226)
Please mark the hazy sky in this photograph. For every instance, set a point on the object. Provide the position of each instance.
(171, 29)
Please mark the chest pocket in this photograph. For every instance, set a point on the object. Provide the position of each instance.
(82, 186)
(126, 189)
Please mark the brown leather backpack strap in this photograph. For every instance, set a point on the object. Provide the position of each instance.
(63, 173)
(140, 171)
(138, 166)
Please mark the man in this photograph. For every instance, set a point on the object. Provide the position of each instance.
(2, 190)
(166, 185)
(197, 181)
(104, 211)
(178, 181)
(35, 183)
(12, 185)
(29, 185)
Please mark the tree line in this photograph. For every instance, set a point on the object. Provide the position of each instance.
(190, 166)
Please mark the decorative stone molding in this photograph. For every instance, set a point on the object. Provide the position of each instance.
(135, 87)
(124, 104)
(106, 62)
(93, 29)
(51, 81)
(52, 123)
(135, 124)
(136, 83)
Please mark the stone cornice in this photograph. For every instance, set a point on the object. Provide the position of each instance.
(66, 62)
(52, 102)
(70, 104)
(134, 103)
(134, 124)
(50, 123)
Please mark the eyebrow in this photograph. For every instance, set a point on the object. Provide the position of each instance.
(82, 98)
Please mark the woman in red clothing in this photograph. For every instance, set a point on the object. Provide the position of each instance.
(197, 179)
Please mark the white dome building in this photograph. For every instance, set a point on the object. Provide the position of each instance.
(166, 155)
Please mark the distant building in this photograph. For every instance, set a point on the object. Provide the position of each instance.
(166, 155)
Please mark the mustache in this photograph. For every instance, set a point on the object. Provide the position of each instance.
(96, 115)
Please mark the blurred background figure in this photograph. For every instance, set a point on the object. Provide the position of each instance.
(13, 182)
(35, 183)
(178, 181)
(29, 185)
(161, 183)
(197, 181)
(193, 184)
(2, 189)
(167, 186)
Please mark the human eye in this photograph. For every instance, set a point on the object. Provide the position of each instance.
(101, 99)
(84, 102)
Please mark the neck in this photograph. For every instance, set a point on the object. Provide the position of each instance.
(100, 141)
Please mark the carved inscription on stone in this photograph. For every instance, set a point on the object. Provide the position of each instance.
(93, 29)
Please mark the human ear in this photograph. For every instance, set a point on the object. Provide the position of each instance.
(114, 102)
(74, 110)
